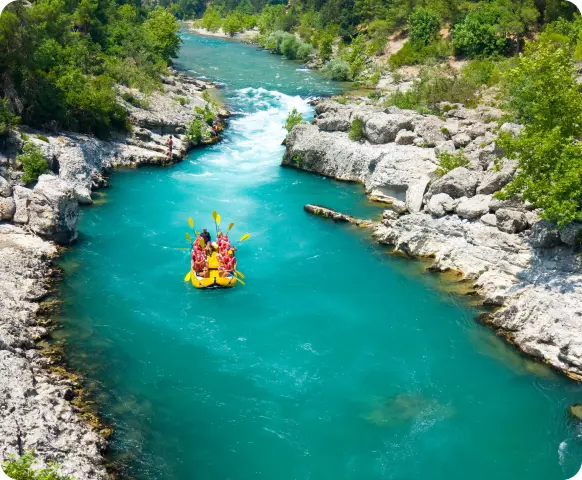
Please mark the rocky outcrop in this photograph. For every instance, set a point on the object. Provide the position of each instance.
(36, 414)
(36, 406)
(525, 266)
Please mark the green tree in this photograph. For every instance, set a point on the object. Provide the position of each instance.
(542, 92)
(211, 20)
(423, 27)
(232, 24)
(7, 119)
(160, 31)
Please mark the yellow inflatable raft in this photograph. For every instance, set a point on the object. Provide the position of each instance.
(214, 280)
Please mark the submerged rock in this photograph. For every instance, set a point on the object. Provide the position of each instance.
(405, 408)
(576, 411)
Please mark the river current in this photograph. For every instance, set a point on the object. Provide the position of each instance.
(335, 361)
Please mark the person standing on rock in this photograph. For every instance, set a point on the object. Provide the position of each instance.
(170, 146)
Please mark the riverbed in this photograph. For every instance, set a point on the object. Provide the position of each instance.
(336, 360)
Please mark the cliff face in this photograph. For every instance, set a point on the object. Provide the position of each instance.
(37, 408)
(519, 263)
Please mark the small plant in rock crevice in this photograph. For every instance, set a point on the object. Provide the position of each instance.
(450, 161)
(356, 130)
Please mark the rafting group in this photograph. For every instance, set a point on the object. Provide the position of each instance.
(202, 250)
(213, 264)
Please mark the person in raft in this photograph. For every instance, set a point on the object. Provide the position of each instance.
(227, 264)
(206, 236)
(170, 146)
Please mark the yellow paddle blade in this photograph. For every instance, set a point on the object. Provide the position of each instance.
(197, 234)
(188, 276)
(246, 236)
(191, 223)
(240, 281)
(188, 237)
(202, 243)
(217, 219)
(214, 214)
(239, 274)
(230, 226)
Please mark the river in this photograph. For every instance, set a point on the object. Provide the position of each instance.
(335, 361)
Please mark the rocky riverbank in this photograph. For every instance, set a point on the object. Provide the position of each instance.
(524, 266)
(39, 406)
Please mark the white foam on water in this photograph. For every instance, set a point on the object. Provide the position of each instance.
(562, 452)
(252, 142)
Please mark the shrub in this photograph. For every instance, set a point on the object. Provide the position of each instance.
(294, 118)
(194, 133)
(356, 130)
(182, 100)
(434, 87)
(7, 119)
(449, 161)
(206, 114)
(43, 138)
(135, 101)
(289, 46)
(21, 469)
(543, 94)
(232, 24)
(33, 163)
(337, 69)
(423, 27)
(211, 20)
(304, 51)
(326, 45)
(410, 54)
(478, 34)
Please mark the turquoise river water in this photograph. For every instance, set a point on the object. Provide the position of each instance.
(336, 361)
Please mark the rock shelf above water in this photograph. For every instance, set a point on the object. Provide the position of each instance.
(518, 262)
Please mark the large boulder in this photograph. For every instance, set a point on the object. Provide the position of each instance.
(432, 130)
(53, 210)
(7, 208)
(21, 197)
(5, 188)
(474, 207)
(495, 180)
(457, 183)
(571, 235)
(405, 137)
(441, 204)
(461, 140)
(415, 195)
(544, 234)
(382, 127)
(511, 221)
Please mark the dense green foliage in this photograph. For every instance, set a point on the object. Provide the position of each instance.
(33, 163)
(423, 27)
(356, 130)
(543, 94)
(293, 119)
(450, 161)
(60, 60)
(7, 119)
(21, 469)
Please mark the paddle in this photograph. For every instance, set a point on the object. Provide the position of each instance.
(236, 272)
(240, 281)
(188, 276)
(246, 236)
(191, 223)
(188, 237)
(214, 215)
(230, 226)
